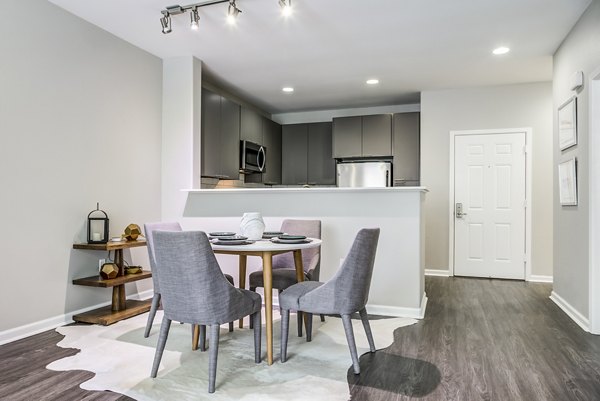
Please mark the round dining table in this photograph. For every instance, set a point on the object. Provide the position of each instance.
(266, 249)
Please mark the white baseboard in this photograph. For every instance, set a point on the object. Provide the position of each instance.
(577, 317)
(31, 329)
(540, 279)
(396, 311)
(142, 296)
(436, 272)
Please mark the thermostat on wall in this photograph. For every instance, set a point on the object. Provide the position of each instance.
(577, 80)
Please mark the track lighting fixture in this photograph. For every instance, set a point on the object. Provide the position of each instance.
(165, 21)
(232, 12)
(194, 18)
(286, 7)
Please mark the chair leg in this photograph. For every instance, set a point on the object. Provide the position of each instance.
(322, 318)
(285, 328)
(213, 351)
(253, 289)
(198, 337)
(351, 343)
(309, 319)
(153, 308)
(365, 321)
(202, 337)
(300, 323)
(160, 345)
(257, 335)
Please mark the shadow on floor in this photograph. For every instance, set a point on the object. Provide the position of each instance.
(381, 371)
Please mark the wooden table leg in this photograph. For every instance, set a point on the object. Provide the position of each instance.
(195, 336)
(267, 258)
(299, 266)
(242, 278)
(299, 278)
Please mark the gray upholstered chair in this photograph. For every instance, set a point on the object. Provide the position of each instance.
(284, 270)
(346, 293)
(149, 228)
(194, 290)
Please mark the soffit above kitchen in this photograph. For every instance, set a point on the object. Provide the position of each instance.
(326, 50)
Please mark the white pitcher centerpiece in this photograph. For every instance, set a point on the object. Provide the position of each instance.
(252, 226)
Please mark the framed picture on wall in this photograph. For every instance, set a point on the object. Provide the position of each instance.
(567, 124)
(567, 182)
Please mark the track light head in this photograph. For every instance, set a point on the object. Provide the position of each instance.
(194, 18)
(286, 7)
(232, 12)
(165, 22)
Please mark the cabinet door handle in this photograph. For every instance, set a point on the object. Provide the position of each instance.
(261, 158)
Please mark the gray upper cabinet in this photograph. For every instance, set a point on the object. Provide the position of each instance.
(251, 126)
(306, 154)
(321, 166)
(294, 150)
(377, 135)
(362, 136)
(406, 149)
(347, 137)
(219, 136)
(230, 138)
(272, 141)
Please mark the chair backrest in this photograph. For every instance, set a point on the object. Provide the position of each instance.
(350, 285)
(193, 287)
(311, 258)
(149, 228)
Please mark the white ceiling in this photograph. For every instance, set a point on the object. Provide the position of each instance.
(328, 48)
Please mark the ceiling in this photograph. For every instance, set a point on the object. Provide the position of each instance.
(328, 48)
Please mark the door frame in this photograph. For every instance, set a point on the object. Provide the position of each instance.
(594, 199)
(528, 176)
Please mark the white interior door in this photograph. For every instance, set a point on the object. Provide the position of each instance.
(489, 199)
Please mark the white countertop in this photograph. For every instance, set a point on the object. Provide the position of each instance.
(307, 190)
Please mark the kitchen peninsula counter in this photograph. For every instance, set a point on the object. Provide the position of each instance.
(397, 287)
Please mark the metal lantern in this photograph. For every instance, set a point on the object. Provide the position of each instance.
(97, 232)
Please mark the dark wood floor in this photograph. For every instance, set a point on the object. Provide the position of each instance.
(480, 340)
(484, 340)
(24, 377)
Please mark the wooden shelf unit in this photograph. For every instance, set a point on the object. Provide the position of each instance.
(120, 308)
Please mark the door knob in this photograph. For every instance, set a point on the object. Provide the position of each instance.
(459, 211)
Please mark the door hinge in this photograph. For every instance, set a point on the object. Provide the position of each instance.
(525, 150)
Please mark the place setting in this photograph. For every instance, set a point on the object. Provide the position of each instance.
(290, 239)
(228, 238)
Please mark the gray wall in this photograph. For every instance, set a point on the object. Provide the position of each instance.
(80, 122)
(580, 51)
(510, 106)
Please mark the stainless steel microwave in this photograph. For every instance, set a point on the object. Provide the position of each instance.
(253, 158)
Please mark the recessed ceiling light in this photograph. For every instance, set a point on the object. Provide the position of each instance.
(501, 50)
(288, 89)
(372, 81)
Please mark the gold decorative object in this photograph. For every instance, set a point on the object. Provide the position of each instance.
(132, 231)
(109, 270)
(133, 269)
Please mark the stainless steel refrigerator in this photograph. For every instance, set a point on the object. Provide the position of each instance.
(364, 174)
